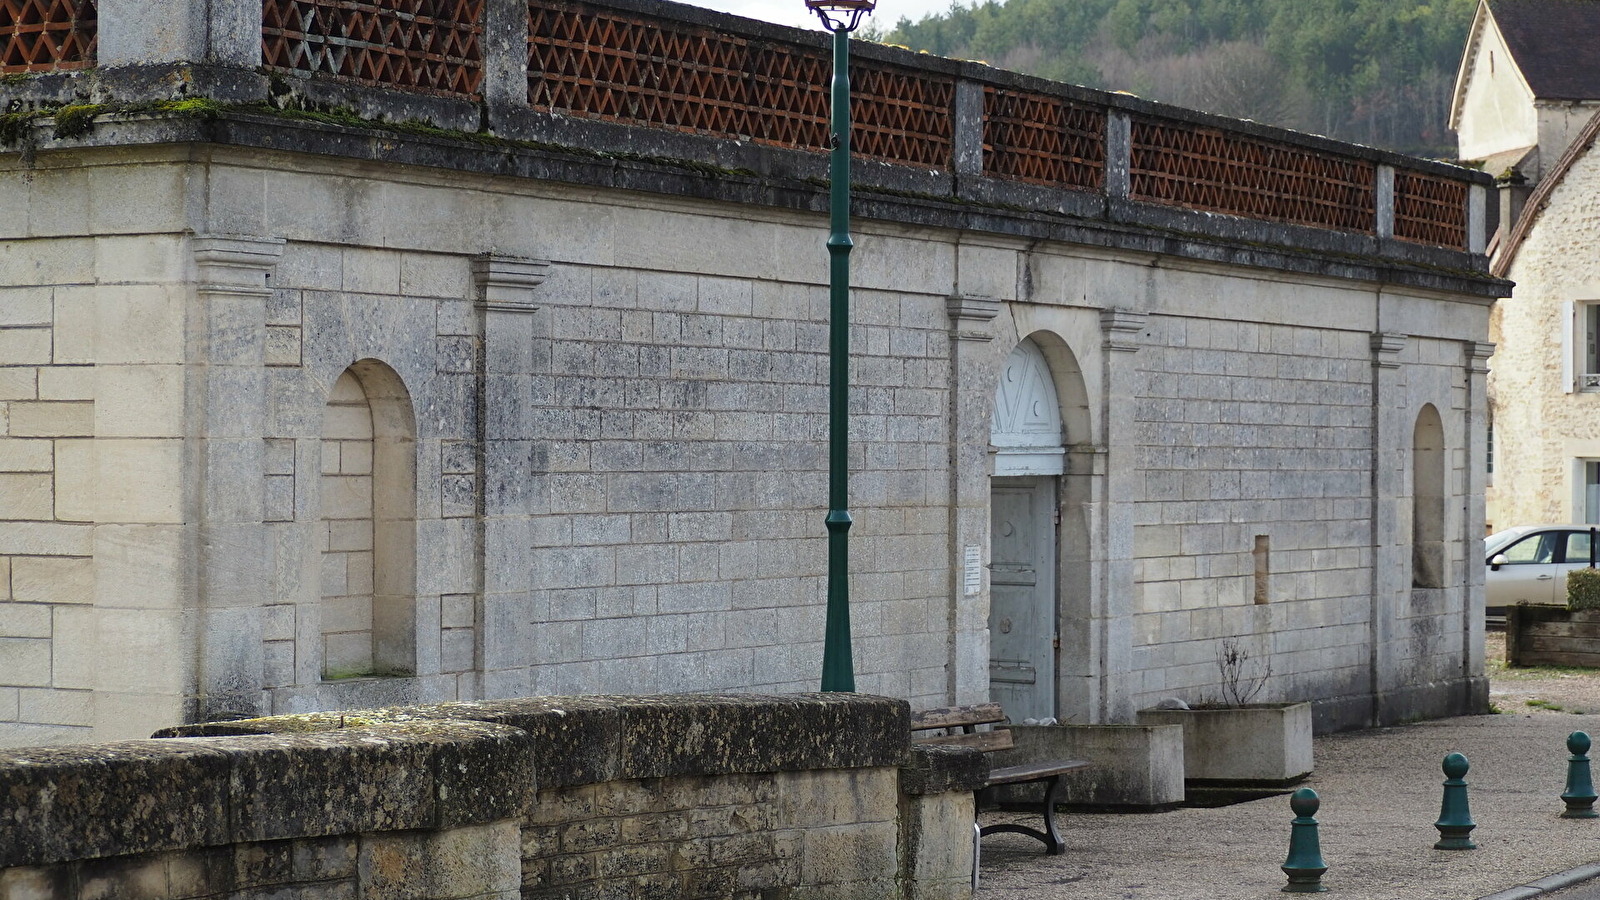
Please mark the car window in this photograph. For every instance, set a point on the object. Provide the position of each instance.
(1535, 548)
(1494, 543)
(1577, 547)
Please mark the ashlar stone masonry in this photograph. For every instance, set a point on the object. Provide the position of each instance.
(308, 411)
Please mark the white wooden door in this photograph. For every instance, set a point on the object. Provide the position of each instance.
(1022, 606)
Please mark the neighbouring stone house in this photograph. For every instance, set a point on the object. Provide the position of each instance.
(357, 355)
(1527, 109)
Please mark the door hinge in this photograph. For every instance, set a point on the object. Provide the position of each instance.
(1055, 643)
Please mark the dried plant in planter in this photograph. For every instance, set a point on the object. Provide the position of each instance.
(1239, 686)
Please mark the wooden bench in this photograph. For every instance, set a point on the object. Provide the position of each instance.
(960, 727)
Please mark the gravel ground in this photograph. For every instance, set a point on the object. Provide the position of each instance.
(1550, 690)
(1380, 794)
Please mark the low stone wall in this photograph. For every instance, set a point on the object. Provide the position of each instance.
(1552, 636)
(694, 796)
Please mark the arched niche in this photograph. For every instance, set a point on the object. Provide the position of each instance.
(1427, 500)
(367, 531)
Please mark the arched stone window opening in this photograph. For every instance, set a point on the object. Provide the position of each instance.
(368, 528)
(1427, 500)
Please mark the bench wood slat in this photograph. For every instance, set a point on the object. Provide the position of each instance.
(987, 741)
(957, 716)
(1035, 771)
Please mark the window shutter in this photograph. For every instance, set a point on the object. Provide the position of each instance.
(1569, 352)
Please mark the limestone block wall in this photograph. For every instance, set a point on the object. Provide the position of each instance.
(1541, 429)
(653, 429)
(687, 797)
(1275, 510)
(597, 429)
(92, 326)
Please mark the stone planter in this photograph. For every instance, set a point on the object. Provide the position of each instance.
(1136, 768)
(1259, 744)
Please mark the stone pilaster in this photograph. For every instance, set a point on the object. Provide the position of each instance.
(1383, 202)
(1476, 357)
(226, 466)
(156, 32)
(971, 408)
(505, 300)
(1118, 484)
(1391, 452)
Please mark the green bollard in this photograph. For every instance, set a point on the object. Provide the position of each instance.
(1304, 865)
(1579, 795)
(1455, 820)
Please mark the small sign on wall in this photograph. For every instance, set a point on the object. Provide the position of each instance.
(974, 569)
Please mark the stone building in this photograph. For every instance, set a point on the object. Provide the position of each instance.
(1527, 109)
(356, 356)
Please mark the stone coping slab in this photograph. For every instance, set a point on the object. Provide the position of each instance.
(595, 738)
(65, 803)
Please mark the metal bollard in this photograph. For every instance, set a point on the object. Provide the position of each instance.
(1304, 865)
(1579, 795)
(1455, 819)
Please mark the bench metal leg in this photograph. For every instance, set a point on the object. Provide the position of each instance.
(1053, 844)
(977, 851)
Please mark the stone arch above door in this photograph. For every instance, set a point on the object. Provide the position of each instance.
(1025, 432)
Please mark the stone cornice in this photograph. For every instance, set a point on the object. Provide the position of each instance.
(235, 263)
(970, 316)
(1386, 347)
(1477, 354)
(1121, 328)
(506, 283)
(922, 199)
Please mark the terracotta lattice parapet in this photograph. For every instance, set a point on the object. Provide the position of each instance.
(1049, 140)
(1430, 209)
(1196, 167)
(594, 62)
(430, 46)
(47, 35)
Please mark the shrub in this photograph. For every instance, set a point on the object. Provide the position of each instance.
(1583, 589)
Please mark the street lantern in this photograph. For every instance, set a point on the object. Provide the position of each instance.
(841, 15)
(838, 669)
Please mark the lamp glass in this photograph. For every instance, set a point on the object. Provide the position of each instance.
(841, 15)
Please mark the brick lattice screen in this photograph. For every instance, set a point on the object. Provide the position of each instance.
(1204, 168)
(1429, 209)
(433, 46)
(602, 64)
(47, 35)
(1043, 139)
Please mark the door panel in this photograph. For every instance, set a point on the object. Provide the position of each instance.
(1022, 605)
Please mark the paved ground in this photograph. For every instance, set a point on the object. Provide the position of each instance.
(1380, 794)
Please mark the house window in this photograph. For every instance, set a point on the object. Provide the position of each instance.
(1581, 345)
(1591, 491)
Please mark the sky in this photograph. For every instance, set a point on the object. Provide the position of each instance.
(794, 12)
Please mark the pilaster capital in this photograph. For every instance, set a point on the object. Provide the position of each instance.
(1477, 354)
(970, 316)
(506, 283)
(1121, 328)
(235, 263)
(1386, 347)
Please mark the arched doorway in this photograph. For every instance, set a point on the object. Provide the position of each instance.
(1028, 446)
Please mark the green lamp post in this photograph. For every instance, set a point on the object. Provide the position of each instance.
(838, 669)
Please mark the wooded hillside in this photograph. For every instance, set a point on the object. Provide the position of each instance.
(1372, 71)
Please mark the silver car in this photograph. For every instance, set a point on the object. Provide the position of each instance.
(1529, 564)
